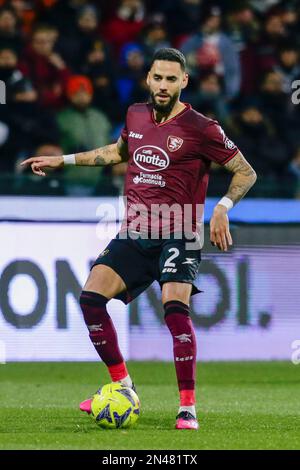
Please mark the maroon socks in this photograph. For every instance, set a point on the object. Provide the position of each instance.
(184, 347)
(102, 333)
(104, 338)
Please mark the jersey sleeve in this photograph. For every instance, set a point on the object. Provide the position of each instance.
(216, 146)
(124, 133)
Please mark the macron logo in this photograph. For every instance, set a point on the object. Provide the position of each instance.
(184, 338)
(135, 135)
(189, 261)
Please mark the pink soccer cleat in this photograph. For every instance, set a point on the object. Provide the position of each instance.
(186, 420)
(86, 406)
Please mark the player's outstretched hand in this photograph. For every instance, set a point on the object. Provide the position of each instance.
(38, 164)
(219, 228)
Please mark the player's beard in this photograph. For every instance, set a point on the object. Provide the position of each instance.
(164, 108)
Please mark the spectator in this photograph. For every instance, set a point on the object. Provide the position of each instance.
(18, 87)
(28, 123)
(267, 47)
(290, 19)
(183, 17)
(48, 149)
(95, 61)
(10, 37)
(245, 63)
(62, 14)
(140, 92)
(254, 134)
(106, 94)
(242, 26)
(84, 43)
(243, 29)
(26, 14)
(154, 36)
(53, 185)
(263, 6)
(45, 67)
(208, 98)
(125, 25)
(82, 126)
(210, 49)
(131, 72)
(288, 65)
(277, 105)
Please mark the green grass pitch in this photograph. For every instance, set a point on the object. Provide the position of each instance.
(240, 406)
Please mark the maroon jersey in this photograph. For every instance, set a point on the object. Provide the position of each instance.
(169, 162)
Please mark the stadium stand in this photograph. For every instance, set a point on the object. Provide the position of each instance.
(243, 61)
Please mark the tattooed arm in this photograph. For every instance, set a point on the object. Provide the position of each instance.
(108, 155)
(243, 179)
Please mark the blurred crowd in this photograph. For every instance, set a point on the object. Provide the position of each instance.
(72, 67)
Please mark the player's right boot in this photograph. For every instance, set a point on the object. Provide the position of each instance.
(86, 405)
(185, 420)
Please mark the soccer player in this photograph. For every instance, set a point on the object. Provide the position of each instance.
(169, 148)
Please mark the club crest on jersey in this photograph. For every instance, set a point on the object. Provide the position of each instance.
(229, 144)
(174, 143)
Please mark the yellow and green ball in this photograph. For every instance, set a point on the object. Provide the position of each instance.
(115, 406)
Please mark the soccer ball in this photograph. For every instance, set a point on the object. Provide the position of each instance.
(115, 406)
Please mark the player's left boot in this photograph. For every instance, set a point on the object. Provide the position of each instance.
(86, 405)
(185, 420)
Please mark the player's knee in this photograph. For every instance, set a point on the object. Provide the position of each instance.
(176, 291)
(93, 308)
(104, 281)
(176, 307)
(91, 299)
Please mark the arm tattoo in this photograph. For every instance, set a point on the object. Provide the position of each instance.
(243, 179)
(107, 155)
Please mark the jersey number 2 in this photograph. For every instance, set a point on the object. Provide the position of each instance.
(168, 263)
